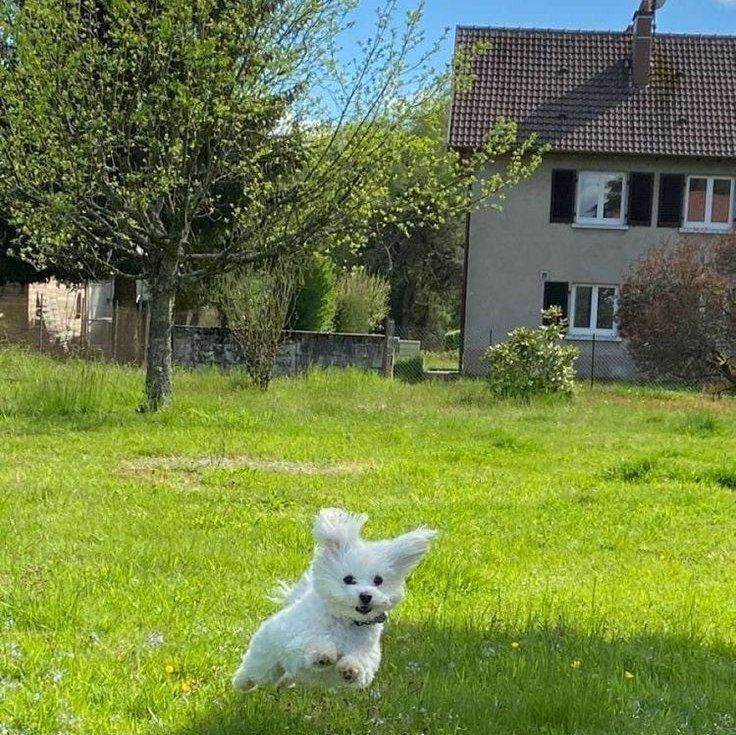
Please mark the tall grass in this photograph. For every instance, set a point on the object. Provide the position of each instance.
(34, 386)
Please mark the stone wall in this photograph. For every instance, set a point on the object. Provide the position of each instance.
(299, 351)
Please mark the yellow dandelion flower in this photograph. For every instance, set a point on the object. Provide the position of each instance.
(515, 644)
(185, 687)
(576, 663)
(169, 669)
(628, 675)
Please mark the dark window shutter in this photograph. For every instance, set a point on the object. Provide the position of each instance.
(671, 192)
(641, 194)
(556, 294)
(562, 205)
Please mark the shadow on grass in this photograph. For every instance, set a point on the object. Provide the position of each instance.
(544, 679)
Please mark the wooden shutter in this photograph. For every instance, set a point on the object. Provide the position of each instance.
(641, 195)
(671, 192)
(556, 294)
(562, 205)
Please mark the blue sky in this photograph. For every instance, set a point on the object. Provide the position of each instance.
(677, 16)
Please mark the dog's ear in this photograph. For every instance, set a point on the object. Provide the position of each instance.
(336, 529)
(407, 550)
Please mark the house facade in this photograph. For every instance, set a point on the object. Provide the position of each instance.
(642, 135)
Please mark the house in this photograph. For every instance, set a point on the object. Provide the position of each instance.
(642, 134)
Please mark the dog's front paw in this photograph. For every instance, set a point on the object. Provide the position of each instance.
(352, 671)
(323, 656)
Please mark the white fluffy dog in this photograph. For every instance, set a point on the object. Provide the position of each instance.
(329, 631)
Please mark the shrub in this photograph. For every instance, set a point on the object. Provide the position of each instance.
(533, 362)
(362, 302)
(255, 301)
(410, 369)
(452, 340)
(677, 311)
(315, 303)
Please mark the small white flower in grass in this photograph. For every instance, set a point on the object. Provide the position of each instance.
(57, 676)
(8, 623)
(155, 639)
(4, 729)
(375, 693)
(67, 719)
(15, 652)
(489, 651)
(413, 666)
(36, 697)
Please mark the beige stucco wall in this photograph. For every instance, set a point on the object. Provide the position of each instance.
(510, 249)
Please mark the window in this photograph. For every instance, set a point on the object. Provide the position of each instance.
(601, 198)
(593, 311)
(709, 203)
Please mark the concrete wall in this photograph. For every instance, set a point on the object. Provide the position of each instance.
(510, 249)
(299, 351)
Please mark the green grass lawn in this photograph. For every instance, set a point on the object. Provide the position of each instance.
(585, 580)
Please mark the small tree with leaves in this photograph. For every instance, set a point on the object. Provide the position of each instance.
(255, 302)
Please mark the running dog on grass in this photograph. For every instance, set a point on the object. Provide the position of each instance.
(328, 633)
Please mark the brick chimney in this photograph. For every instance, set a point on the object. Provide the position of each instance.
(642, 38)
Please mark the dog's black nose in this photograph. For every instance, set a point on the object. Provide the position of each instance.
(365, 598)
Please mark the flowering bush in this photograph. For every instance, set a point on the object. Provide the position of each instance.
(533, 362)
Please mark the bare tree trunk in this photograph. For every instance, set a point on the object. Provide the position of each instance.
(161, 311)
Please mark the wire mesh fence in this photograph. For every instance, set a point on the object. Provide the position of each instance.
(426, 353)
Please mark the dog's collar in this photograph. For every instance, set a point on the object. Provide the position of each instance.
(378, 620)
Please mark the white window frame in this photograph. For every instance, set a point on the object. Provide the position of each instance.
(708, 225)
(574, 331)
(602, 221)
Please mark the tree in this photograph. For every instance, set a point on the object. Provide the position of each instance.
(362, 301)
(424, 267)
(315, 302)
(424, 262)
(677, 310)
(176, 140)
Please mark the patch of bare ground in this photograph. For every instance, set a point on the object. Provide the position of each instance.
(211, 462)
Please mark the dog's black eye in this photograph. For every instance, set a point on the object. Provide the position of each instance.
(349, 579)
(377, 580)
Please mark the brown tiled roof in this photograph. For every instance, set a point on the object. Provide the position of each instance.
(573, 88)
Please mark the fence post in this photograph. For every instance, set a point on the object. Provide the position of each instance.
(388, 347)
(592, 362)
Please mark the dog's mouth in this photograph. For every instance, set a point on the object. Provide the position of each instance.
(364, 609)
